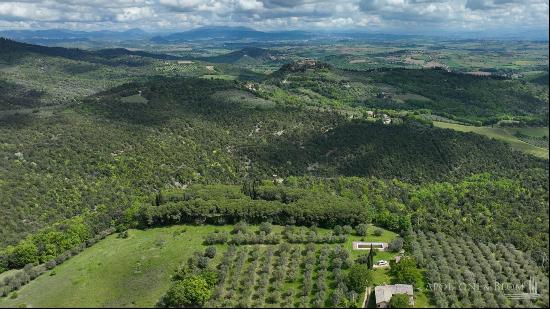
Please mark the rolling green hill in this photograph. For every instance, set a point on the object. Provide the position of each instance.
(108, 151)
(37, 77)
(508, 135)
(462, 97)
(167, 151)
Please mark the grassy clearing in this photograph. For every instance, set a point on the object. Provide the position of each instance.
(220, 76)
(136, 98)
(504, 134)
(8, 68)
(242, 97)
(132, 272)
(411, 97)
(533, 131)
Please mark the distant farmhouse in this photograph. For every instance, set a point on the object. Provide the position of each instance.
(384, 293)
(386, 119)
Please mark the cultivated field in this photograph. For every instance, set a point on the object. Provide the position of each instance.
(463, 273)
(505, 134)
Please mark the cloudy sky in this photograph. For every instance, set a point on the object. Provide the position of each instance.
(376, 15)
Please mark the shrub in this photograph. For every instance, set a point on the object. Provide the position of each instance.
(377, 232)
(266, 227)
(216, 238)
(396, 245)
(202, 262)
(273, 297)
(362, 259)
(399, 301)
(3, 261)
(123, 234)
(241, 227)
(348, 230)
(210, 252)
(24, 253)
(50, 264)
(361, 229)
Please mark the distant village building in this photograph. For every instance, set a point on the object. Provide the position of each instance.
(384, 293)
(384, 95)
(251, 86)
(277, 180)
(398, 259)
(303, 65)
(370, 114)
(386, 119)
(310, 62)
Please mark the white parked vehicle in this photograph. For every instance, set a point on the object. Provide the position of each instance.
(382, 263)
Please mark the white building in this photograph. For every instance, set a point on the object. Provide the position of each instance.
(386, 119)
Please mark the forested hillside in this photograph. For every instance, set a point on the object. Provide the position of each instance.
(108, 151)
(465, 97)
(476, 206)
(115, 141)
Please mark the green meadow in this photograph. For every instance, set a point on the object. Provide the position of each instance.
(506, 135)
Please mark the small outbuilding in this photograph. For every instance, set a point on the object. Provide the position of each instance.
(361, 245)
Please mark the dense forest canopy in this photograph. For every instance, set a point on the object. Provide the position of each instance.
(106, 150)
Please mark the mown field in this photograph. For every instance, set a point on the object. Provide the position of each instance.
(116, 272)
(136, 271)
(505, 134)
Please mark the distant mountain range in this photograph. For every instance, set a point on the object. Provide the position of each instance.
(231, 34)
(53, 35)
(244, 35)
(97, 56)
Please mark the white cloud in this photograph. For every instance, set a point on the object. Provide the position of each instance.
(26, 11)
(135, 13)
(247, 5)
(275, 14)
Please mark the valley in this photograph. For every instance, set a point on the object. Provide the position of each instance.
(241, 170)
